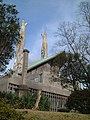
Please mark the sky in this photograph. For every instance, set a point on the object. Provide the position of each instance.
(43, 15)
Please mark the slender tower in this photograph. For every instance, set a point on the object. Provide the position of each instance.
(18, 63)
(44, 49)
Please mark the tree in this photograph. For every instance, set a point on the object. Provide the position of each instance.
(73, 72)
(76, 68)
(76, 39)
(9, 33)
(84, 9)
(79, 101)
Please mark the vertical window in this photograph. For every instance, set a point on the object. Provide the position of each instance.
(41, 77)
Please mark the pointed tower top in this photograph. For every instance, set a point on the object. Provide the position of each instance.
(44, 36)
(19, 49)
(44, 52)
(23, 25)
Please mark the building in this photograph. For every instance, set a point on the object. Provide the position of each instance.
(36, 76)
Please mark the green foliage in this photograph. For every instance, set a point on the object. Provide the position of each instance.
(12, 99)
(26, 101)
(79, 101)
(60, 59)
(44, 104)
(9, 33)
(56, 64)
(7, 112)
(72, 70)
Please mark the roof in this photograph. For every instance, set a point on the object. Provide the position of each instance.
(42, 61)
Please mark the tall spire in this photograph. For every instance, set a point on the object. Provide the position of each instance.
(44, 49)
(19, 50)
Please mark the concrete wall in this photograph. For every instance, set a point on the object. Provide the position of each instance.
(46, 84)
(38, 78)
(7, 82)
(3, 84)
(38, 74)
(44, 71)
(48, 88)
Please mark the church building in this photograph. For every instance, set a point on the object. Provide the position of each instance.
(36, 76)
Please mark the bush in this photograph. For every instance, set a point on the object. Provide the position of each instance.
(44, 104)
(7, 112)
(26, 101)
(79, 101)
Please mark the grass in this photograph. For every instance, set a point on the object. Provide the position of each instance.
(40, 115)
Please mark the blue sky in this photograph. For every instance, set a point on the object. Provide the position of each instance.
(43, 15)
